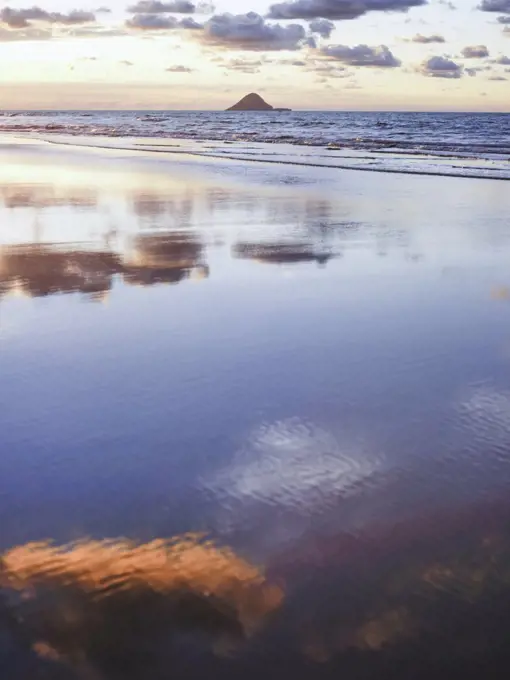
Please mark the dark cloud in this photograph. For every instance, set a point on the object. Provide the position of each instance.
(502, 60)
(190, 24)
(475, 52)
(157, 22)
(441, 67)
(103, 10)
(475, 70)
(251, 32)
(22, 18)
(504, 20)
(148, 22)
(427, 39)
(337, 9)
(502, 6)
(322, 27)
(497, 78)
(362, 55)
(72, 18)
(179, 69)
(157, 7)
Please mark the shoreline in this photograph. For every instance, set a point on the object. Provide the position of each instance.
(258, 153)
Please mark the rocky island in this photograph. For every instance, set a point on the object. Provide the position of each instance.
(254, 102)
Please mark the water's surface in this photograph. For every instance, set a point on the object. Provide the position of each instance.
(427, 143)
(312, 367)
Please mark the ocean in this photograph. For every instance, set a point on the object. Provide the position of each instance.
(455, 144)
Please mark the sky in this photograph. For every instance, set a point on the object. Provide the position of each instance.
(304, 54)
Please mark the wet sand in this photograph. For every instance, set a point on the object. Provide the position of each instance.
(309, 366)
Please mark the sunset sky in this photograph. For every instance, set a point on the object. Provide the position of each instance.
(306, 54)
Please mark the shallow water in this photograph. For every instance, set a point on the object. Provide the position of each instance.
(312, 368)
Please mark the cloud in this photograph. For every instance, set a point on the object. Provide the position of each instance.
(441, 67)
(362, 55)
(338, 9)
(157, 7)
(151, 22)
(179, 69)
(95, 31)
(245, 65)
(427, 39)
(504, 20)
(502, 60)
(327, 69)
(21, 18)
(30, 34)
(103, 10)
(475, 52)
(474, 70)
(448, 4)
(498, 78)
(190, 24)
(155, 22)
(322, 27)
(502, 6)
(251, 32)
(125, 62)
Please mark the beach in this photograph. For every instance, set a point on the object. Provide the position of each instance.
(309, 365)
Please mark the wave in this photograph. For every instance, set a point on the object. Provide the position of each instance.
(400, 141)
(358, 163)
(458, 145)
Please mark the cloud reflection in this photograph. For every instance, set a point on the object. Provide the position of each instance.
(288, 472)
(21, 195)
(109, 606)
(165, 258)
(38, 270)
(280, 253)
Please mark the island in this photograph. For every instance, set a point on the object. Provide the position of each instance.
(254, 102)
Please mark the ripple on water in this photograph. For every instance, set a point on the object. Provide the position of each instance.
(485, 416)
(291, 466)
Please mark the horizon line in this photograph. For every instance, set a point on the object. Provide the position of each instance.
(295, 110)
